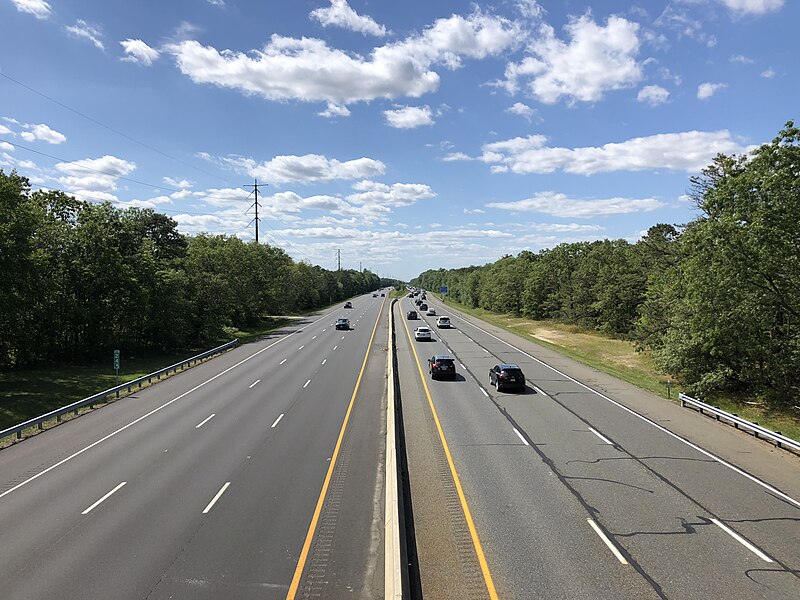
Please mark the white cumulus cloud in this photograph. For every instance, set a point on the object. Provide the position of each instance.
(597, 59)
(137, 51)
(38, 8)
(653, 95)
(308, 69)
(308, 168)
(82, 30)
(560, 205)
(688, 151)
(752, 7)
(43, 133)
(523, 110)
(706, 90)
(334, 110)
(340, 14)
(409, 117)
(396, 195)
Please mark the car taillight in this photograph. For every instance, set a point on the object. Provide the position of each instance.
(502, 376)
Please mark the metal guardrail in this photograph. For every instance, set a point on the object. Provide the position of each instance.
(102, 396)
(781, 441)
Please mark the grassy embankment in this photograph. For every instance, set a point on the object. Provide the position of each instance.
(620, 359)
(28, 393)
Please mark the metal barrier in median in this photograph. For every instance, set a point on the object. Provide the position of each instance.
(781, 441)
(102, 396)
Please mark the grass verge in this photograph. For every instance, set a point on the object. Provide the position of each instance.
(620, 359)
(28, 393)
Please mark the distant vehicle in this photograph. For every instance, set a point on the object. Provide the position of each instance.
(507, 377)
(443, 322)
(441, 366)
(431, 312)
(423, 306)
(424, 297)
(383, 295)
(411, 315)
(343, 324)
(411, 295)
(417, 302)
(422, 333)
(348, 305)
(374, 295)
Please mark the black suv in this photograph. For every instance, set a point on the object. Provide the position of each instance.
(423, 306)
(411, 315)
(441, 366)
(343, 324)
(507, 377)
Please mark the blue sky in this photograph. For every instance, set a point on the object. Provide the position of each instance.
(409, 135)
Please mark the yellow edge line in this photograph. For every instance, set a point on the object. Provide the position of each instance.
(487, 576)
(301, 563)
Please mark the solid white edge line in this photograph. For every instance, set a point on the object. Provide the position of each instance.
(152, 412)
(255, 383)
(306, 385)
(101, 500)
(283, 361)
(519, 435)
(607, 542)
(215, 498)
(741, 540)
(732, 467)
(598, 434)
(278, 420)
(485, 393)
(204, 421)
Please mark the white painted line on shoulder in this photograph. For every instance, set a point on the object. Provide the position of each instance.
(254, 384)
(540, 391)
(96, 504)
(301, 347)
(306, 385)
(204, 421)
(324, 360)
(278, 420)
(485, 393)
(485, 350)
(462, 366)
(215, 498)
(598, 434)
(741, 540)
(519, 435)
(672, 434)
(283, 361)
(607, 542)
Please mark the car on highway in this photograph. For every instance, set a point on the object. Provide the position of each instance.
(443, 322)
(431, 312)
(417, 301)
(348, 305)
(441, 366)
(383, 295)
(374, 295)
(423, 306)
(411, 315)
(342, 324)
(507, 377)
(422, 334)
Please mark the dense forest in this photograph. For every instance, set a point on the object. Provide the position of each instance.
(716, 300)
(79, 279)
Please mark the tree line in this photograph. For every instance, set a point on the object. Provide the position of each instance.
(716, 300)
(78, 279)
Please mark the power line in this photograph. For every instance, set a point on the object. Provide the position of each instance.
(125, 135)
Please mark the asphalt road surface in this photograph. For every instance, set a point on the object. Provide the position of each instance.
(582, 486)
(210, 484)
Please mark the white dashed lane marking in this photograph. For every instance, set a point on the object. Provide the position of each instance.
(204, 421)
(278, 420)
(255, 383)
(103, 499)
(283, 361)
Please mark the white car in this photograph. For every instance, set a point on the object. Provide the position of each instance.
(422, 333)
(431, 312)
(443, 323)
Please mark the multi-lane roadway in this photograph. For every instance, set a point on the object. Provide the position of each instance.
(567, 492)
(254, 475)
(259, 474)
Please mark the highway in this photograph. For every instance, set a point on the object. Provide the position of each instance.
(254, 475)
(582, 486)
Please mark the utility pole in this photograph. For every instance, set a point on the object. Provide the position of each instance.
(359, 267)
(338, 260)
(255, 204)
